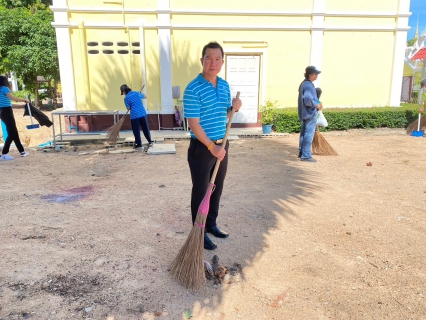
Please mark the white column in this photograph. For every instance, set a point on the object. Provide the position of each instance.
(164, 39)
(14, 81)
(399, 53)
(317, 37)
(143, 59)
(63, 41)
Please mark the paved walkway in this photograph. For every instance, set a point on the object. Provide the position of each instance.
(160, 135)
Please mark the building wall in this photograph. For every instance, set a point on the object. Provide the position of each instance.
(239, 5)
(359, 46)
(361, 74)
(377, 6)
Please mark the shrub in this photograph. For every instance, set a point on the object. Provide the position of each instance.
(23, 94)
(268, 112)
(287, 119)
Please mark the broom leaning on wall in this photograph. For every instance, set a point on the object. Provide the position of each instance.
(188, 266)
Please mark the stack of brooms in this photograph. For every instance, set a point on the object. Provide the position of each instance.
(188, 266)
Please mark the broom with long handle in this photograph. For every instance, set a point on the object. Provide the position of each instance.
(419, 123)
(113, 132)
(188, 266)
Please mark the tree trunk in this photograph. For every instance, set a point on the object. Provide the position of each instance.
(55, 93)
(36, 93)
(49, 83)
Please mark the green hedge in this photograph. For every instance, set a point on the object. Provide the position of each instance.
(287, 120)
(22, 94)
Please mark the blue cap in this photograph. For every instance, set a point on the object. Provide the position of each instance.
(312, 70)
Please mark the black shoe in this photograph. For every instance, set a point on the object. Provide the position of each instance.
(309, 159)
(208, 244)
(300, 155)
(217, 232)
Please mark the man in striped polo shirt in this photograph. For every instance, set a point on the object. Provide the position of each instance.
(207, 104)
(138, 115)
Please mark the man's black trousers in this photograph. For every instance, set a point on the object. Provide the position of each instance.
(6, 115)
(201, 164)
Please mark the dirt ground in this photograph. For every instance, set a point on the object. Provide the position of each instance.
(92, 236)
(32, 137)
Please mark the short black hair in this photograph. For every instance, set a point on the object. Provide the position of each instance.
(4, 82)
(124, 88)
(212, 45)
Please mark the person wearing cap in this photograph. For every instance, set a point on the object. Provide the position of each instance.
(207, 101)
(138, 115)
(308, 106)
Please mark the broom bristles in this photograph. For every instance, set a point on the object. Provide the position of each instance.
(321, 147)
(188, 266)
(422, 122)
(413, 126)
(113, 132)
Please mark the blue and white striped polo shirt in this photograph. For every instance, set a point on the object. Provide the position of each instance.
(133, 101)
(202, 100)
(4, 99)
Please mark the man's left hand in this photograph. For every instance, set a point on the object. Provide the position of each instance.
(236, 104)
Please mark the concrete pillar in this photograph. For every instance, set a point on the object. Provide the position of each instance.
(399, 52)
(317, 36)
(61, 24)
(164, 39)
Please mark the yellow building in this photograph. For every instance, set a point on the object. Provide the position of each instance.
(358, 45)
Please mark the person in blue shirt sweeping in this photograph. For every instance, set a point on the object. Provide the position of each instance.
(138, 115)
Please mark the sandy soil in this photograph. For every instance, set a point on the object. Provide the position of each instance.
(33, 137)
(92, 236)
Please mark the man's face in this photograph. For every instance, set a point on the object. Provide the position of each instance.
(313, 77)
(212, 61)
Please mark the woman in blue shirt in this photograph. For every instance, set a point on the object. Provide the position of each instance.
(138, 115)
(6, 115)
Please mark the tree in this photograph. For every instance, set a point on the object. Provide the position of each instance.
(10, 4)
(411, 42)
(28, 45)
